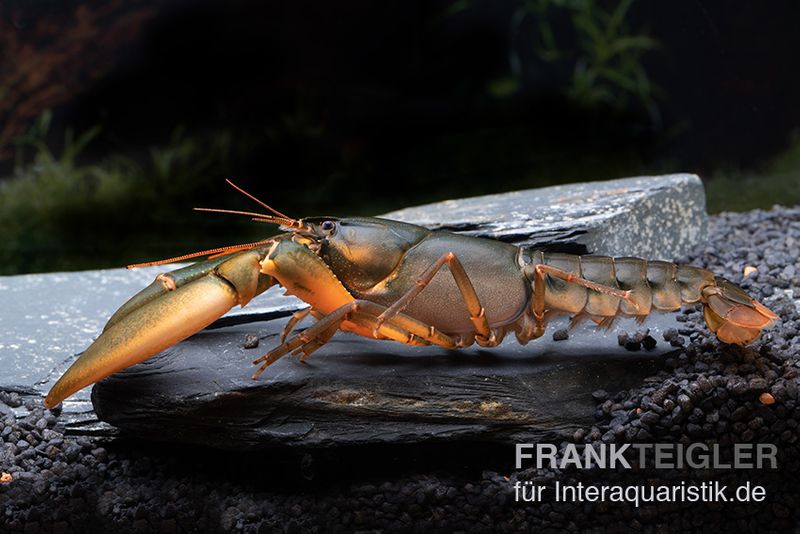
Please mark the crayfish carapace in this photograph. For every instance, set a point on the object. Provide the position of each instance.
(384, 279)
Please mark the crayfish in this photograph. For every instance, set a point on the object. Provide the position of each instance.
(386, 279)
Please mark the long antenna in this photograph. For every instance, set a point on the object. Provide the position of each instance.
(259, 202)
(271, 218)
(279, 218)
(210, 252)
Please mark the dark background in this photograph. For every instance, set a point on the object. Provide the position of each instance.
(117, 117)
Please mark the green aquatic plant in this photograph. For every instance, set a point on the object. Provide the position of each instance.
(596, 46)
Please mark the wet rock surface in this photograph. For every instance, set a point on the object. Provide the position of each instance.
(360, 391)
(705, 392)
(655, 217)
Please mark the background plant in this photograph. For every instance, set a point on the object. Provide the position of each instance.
(60, 213)
(594, 46)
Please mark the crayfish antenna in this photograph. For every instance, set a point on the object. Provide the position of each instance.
(260, 217)
(211, 253)
(278, 218)
(259, 202)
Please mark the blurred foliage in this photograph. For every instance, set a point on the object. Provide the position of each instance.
(778, 182)
(510, 96)
(59, 213)
(595, 45)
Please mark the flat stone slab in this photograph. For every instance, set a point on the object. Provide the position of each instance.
(48, 319)
(653, 217)
(357, 391)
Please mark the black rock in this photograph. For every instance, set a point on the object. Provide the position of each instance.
(561, 334)
(351, 391)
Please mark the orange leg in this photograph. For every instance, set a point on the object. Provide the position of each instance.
(364, 313)
(476, 311)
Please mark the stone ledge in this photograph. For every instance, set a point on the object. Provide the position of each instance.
(654, 217)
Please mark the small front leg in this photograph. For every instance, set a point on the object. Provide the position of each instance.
(292, 322)
(363, 313)
(528, 328)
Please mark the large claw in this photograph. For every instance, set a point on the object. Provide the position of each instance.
(171, 309)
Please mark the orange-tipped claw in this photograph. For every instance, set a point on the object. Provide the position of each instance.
(146, 331)
(164, 314)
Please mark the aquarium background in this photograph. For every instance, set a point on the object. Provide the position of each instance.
(117, 117)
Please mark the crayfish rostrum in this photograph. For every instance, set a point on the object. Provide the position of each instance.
(386, 279)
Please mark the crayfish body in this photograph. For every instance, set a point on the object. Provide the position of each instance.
(388, 280)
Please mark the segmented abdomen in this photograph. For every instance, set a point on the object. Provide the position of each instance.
(654, 285)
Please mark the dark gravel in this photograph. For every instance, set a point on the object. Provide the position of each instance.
(562, 334)
(705, 392)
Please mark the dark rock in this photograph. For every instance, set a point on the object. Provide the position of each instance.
(351, 392)
(600, 395)
(670, 334)
(561, 334)
(250, 341)
(685, 403)
(739, 413)
(633, 345)
(649, 418)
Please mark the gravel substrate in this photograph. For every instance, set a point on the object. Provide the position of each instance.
(706, 392)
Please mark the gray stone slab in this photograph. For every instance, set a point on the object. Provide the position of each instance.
(48, 319)
(653, 217)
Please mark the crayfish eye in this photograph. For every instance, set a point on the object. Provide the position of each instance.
(328, 226)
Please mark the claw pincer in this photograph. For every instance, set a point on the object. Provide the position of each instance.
(162, 315)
